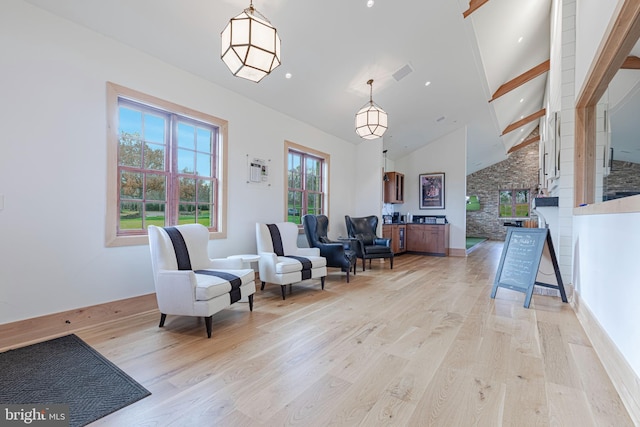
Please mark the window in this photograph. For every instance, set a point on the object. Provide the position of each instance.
(306, 182)
(514, 204)
(165, 164)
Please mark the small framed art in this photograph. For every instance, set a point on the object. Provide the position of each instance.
(431, 190)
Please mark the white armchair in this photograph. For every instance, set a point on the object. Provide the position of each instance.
(187, 281)
(281, 260)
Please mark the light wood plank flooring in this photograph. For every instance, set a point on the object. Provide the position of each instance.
(420, 345)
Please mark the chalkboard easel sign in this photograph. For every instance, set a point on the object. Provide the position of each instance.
(520, 262)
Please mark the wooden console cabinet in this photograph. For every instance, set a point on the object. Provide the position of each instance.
(428, 239)
(398, 235)
(394, 188)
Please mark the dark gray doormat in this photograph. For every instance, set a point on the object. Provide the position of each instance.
(66, 371)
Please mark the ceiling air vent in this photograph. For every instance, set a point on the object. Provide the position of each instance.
(402, 72)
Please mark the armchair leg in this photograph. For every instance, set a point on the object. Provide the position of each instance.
(348, 274)
(251, 302)
(163, 317)
(322, 281)
(262, 287)
(363, 264)
(391, 262)
(282, 289)
(208, 322)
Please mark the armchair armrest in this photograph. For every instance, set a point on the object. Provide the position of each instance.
(175, 291)
(382, 241)
(307, 252)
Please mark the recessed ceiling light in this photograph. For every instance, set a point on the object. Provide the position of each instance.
(288, 75)
(520, 39)
(521, 99)
(427, 83)
(370, 3)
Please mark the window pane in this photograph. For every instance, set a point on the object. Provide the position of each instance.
(130, 185)
(312, 175)
(130, 121)
(203, 167)
(156, 187)
(154, 156)
(186, 136)
(186, 214)
(204, 140)
(186, 161)
(203, 215)
(314, 204)
(129, 150)
(294, 207)
(130, 216)
(522, 204)
(295, 171)
(187, 189)
(205, 191)
(154, 127)
(155, 214)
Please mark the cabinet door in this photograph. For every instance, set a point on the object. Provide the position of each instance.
(394, 188)
(415, 238)
(433, 239)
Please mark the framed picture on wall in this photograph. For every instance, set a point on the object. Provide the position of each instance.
(431, 190)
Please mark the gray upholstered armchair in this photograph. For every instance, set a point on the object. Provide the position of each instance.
(367, 244)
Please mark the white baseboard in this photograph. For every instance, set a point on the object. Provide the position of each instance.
(622, 376)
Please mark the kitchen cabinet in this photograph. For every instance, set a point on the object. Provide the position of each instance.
(394, 188)
(430, 239)
(397, 233)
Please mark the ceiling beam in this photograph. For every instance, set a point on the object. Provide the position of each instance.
(522, 79)
(473, 5)
(524, 144)
(631, 63)
(522, 122)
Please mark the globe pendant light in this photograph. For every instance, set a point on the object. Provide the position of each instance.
(250, 45)
(371, 120)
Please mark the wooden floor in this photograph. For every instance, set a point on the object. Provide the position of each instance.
(420, 345)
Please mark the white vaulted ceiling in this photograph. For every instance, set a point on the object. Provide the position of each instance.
(333, 47)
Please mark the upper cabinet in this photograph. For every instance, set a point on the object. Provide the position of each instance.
(393, 187)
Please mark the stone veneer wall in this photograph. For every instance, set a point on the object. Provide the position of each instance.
(519, 170)
(624, 177)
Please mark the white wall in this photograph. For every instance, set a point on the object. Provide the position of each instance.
(607, 275)
(446, 154)
(592, 21)
(53, 162)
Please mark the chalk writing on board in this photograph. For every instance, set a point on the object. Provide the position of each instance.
(518, 267)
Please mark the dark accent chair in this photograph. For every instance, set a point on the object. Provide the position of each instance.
(367, 244)
(337, 255)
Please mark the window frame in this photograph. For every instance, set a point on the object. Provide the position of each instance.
(114, 92)
(326, 161)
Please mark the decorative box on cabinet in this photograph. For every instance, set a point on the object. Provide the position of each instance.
(394, 188)
(428, 239)
(398, 234)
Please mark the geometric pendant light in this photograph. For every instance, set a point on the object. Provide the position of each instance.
(371, 120)
(250, 45)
